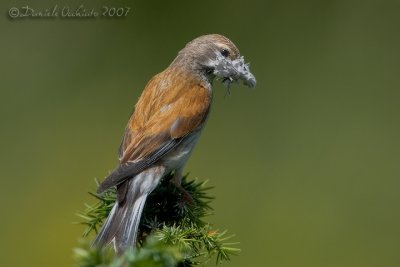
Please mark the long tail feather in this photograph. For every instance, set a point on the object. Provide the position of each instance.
(127, 232)
(122, 224)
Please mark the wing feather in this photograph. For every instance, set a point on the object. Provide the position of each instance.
(164, 116)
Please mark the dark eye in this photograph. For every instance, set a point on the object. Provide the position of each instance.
(225, 52)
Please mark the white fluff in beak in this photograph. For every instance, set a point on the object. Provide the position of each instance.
(233, 70)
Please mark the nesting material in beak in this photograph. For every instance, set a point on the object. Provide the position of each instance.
(233, 70)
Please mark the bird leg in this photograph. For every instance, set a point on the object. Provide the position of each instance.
(177, 178)
(177, 181)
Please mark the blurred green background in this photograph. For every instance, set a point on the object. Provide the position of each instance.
(305, 167)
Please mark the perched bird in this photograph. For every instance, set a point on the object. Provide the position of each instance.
(164, 128)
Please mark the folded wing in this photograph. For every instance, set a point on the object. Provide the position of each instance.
(166, 113)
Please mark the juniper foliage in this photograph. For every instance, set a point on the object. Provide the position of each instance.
(172, 230)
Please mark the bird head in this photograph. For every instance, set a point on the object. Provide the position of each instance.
(215, 56)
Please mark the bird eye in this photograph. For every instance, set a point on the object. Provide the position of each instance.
(225, 52)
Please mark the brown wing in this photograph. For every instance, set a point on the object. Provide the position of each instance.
(166, 113)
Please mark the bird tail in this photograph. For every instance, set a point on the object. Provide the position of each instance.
(121, 226)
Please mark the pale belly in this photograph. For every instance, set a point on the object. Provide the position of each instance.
(177, 157)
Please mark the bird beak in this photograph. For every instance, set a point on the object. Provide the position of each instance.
(244, 73)
(233, 70)
(249, 79)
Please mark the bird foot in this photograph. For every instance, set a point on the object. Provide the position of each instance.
(186, 197)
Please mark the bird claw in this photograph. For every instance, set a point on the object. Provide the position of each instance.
(186, 197)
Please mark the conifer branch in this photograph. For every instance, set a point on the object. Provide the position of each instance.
(171, 233)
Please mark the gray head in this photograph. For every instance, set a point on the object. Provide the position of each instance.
(213, 56)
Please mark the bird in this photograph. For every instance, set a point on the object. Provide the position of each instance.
(163, 129)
